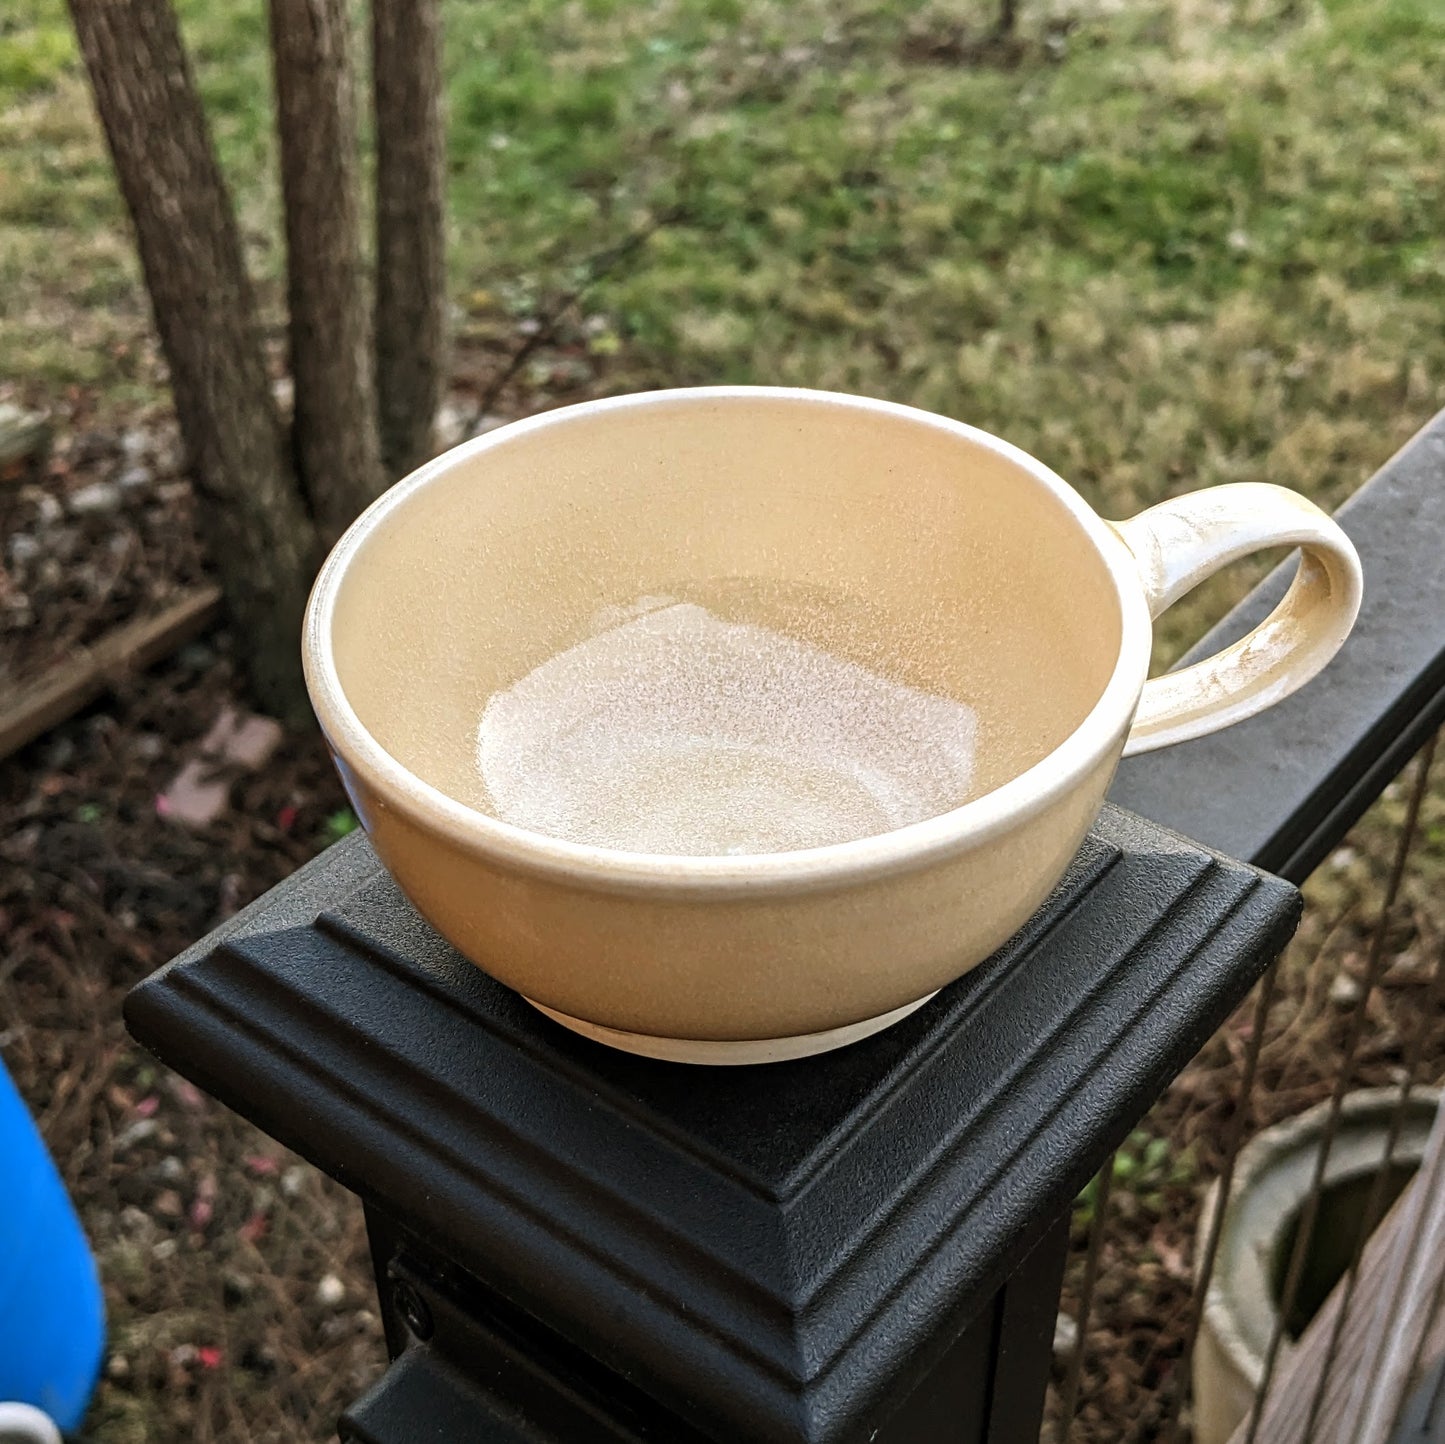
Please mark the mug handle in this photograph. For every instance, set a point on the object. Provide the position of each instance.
(1179, 543)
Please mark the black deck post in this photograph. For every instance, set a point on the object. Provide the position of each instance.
(573, 1244)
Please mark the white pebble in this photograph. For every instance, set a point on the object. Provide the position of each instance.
(97, 499)
(137, 1132)
(1344, 990)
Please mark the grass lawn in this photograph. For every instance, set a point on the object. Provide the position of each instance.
(1166, 243)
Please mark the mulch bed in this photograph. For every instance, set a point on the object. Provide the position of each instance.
(236, 1277)
(100, 531)
(238, 1286)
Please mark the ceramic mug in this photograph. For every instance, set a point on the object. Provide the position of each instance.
(963, 567)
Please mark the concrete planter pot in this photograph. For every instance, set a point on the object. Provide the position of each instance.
(1271, 1185)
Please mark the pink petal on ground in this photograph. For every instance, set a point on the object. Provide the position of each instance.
(192, 798)
(253, 743)
(214, 742)
(246, 739)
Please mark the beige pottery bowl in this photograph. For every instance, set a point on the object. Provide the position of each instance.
(979, 575)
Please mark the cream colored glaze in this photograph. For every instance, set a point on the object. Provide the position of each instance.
(732, 1053)
(1179, 543)
(978, 575)
(977, 591)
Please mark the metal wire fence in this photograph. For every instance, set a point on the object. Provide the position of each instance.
(1250, 1267)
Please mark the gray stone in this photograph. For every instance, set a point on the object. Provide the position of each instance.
(60, 752)
(136, 1132)
(23, 548)
(100, 498)
(148, 746)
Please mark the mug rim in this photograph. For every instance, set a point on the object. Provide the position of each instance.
(1012, 803)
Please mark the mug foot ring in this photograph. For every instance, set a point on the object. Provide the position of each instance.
(726, 1052)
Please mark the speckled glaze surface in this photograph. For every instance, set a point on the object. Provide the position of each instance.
(986, 578)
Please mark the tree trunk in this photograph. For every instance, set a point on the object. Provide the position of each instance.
(260, 537)
(410, 228)
(1008, 18)
(337, 452)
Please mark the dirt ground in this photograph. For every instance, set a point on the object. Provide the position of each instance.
(237, 1278)
(238, 1287)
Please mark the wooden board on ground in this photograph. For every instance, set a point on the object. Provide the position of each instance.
(90, 671)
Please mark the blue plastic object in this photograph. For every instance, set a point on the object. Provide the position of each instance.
(52, 1317)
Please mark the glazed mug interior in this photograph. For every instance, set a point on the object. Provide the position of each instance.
(934, 558)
